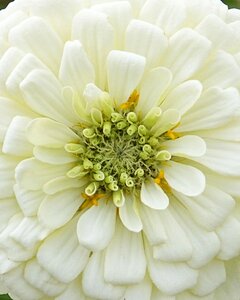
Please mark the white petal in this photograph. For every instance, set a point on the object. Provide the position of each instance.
(8, 208)
(15, 141)
(73, 291)
(37, 37)
(186, 146)
(29, 201)
(209, 209)
(76, 70)
(184, 178)
(229, 235)
(124, 70)
(153, 41)
(29, 232)
(48, 133)
(129, 215)
(153, 196)
(93, 282)
(119, 14)
(66, 203)
(205, 244)
(6, 265)
(141, 291)
(183, 97)
(221, 157)
(152, 225)
(158, 295)
(8, 164)
(32, 174)
(14, 280)
(210, 278)
(43, 93)
(54, 156)
(42, 280)
(167, 14)
(186, 54)
(9, 110)
(125, 253)
(61, 255)
(28, 63)
(152, 88)
(177, 247)
(171, 278)
(215, 108)
(96, 226)
(62, 183)
(89, 23)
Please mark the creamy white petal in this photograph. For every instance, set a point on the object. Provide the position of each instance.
(209, 209)
(15, 281)
(222, 157)
(129, 215)
(167, 14)
(76, 70)
(205, 244)
(147, 40)
(119, 14)
(63, 183)
(28, 63)
(93, 282)
(184, 178)
(43, 93)
(183, 97)
(229, 235)
(73, 291)
(215, 108)
(141, 291)
(96, 226)
(158, 295)
(8, 164)
(61, 255)
(153, 226)
(186, 146)
(15, 141)
(153, 196)
(89, 23)
(29, 232)
(29, 201)
(54, 156)
(210, 278)
(187, 51)
(42, 280)
(124, 70)
(168, 251)
(48, 133)
(8, 208)
(6, 265)
(36, 36)
(66, 203)
(171, 278)
(125, 253)
(30, 169)
(152, 89)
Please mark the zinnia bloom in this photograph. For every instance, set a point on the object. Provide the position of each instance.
(120, 153)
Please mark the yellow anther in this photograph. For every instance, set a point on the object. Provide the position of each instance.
(90, 200)
(162, 182)
(132, 101)
(172, 135)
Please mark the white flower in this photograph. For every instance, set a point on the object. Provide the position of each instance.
(119, 164)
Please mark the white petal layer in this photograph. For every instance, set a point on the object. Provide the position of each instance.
(61, 255)
(153, 196)
(141, 291)
(184, 178)
(65, 203)
(125, 253)
(73, 291)
(96, 226)
(94, 284)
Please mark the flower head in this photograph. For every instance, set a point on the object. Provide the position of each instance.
(119, 164)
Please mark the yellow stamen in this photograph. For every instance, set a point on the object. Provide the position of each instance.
(132, 101)
(90, 200)
(172, 135)
(162, 182)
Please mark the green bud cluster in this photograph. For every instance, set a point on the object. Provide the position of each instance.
(118, 152)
